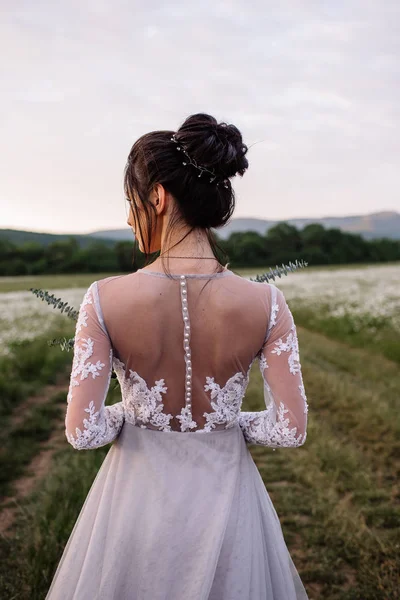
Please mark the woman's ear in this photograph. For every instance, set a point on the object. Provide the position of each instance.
(159, 199)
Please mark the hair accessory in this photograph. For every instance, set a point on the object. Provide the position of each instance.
(190, 161)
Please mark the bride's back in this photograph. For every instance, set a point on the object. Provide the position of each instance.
(184, 341)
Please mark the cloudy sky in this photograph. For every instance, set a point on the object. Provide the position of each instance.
(314, 87)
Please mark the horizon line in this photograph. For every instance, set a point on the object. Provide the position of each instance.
(83, 233)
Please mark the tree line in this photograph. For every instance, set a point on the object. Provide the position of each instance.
(282, 243)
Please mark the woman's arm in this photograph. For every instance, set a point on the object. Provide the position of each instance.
(88, 422)
(284, 422)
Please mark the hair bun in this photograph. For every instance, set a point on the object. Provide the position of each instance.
(217, 146)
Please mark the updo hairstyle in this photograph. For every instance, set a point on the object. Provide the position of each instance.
(156, 158)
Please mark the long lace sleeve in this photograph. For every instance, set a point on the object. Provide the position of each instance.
(284, 422)
(88, 422)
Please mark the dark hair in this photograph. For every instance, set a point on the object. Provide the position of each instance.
(154, 158)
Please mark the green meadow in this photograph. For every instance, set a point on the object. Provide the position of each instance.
(338, 496)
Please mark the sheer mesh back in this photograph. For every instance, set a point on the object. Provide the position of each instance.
(229, 317)
(182, 349)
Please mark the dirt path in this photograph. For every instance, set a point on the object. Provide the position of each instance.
(40, 463)
(43, 397)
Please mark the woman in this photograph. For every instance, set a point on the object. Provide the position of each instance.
(178, 509)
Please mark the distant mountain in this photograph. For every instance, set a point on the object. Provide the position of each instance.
(375, 225)
(118, 235)
(18, 237)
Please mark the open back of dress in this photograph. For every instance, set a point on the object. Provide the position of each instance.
(182, 348)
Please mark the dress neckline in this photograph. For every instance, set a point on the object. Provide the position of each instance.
(191, 275)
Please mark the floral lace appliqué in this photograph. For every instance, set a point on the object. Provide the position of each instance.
(303, 395)
(83, 316)
(274, 310)
(272, 322)
(225, 401)
(103, 425)
(272, 427)
(262, 363)
(143, 405)
(186, 419)
(81, 365)
(267, 429)
(291, 345)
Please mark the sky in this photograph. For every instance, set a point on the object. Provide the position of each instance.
(314, 88)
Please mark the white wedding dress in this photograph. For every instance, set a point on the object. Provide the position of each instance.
(178, 509)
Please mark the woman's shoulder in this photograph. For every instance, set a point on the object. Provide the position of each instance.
(111, 278)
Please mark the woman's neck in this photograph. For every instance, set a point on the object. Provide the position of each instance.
(193, 254)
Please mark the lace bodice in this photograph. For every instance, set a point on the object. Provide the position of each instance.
(182, 352)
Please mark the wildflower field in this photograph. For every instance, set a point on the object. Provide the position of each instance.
(338, 496)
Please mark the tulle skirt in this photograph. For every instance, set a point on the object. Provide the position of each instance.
(177, 516)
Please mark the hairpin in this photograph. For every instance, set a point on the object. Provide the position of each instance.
(201, 168)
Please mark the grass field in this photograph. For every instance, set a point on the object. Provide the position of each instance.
(338, 496)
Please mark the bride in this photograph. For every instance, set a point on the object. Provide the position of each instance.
(178, 509)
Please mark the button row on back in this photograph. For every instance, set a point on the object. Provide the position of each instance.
(188, 380)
